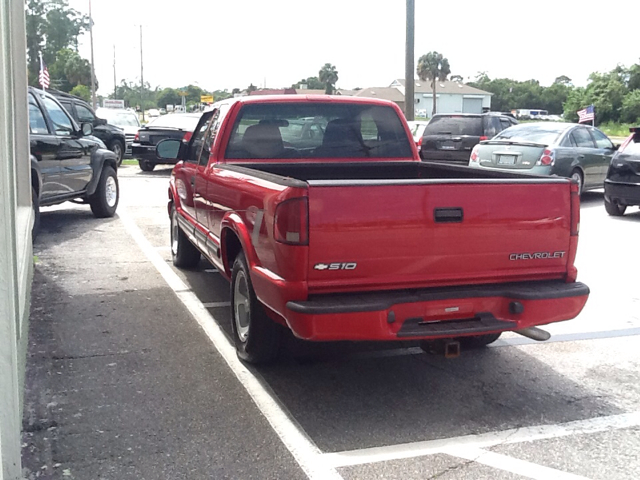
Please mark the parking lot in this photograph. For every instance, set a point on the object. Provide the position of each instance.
(566, 408)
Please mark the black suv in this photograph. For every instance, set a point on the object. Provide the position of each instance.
(67, 162)
(112, 136)
(450, 137)
(622, 185)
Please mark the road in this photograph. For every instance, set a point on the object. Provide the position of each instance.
(568, 408)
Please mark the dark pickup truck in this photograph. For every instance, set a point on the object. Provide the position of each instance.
(322, 216)
(67, 162)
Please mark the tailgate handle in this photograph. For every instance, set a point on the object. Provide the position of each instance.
(448, 215)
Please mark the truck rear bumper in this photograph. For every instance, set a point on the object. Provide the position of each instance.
(435, 313)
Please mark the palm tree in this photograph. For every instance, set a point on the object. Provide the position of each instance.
(328, 75)
(434, 67)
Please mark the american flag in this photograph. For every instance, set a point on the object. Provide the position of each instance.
(44, 74)
(586, 115)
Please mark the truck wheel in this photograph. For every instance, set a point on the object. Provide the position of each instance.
(118, 148)
(35, 204)
(146, 166)
(478, 341)
(614, 209)
(256, 336)
(104, 201)
(183, 253)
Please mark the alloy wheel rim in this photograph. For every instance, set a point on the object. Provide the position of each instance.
(174, 235)
(576, 177)
(111, 191)
(241, 306)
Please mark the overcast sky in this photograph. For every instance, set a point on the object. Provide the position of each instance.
(220, 44)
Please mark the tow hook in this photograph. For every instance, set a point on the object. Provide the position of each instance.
(448, 348)
(534, 333)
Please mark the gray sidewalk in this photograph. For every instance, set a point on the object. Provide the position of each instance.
(121, 381)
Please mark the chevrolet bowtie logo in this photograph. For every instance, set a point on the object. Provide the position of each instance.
(321, 266)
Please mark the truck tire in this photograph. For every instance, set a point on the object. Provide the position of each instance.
(35, 205)
(256, 336)
(117, 147)
(477, 341)
(614, 209)
(146, 166)
(104, 201)
(183, 253)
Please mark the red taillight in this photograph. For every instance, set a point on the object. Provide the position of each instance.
(137, 137)
(420, 142)
(547, 158)
(187, 136)
(575, 209)
(474, 155)
(484, 137)
(291, 224)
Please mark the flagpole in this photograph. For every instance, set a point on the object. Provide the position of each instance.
(93, 72)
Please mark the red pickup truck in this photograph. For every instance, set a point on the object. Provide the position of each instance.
(321, 214)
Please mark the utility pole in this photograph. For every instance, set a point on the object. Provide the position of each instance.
(141, 77)
(115, 85)
(93, 72)
(409, 84)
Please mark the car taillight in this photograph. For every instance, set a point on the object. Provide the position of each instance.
(484, 137)
(575, 209)
(548, 157)
(137, 137)
(475, 158)
(419, 142)
(187, 136)
(291, 224)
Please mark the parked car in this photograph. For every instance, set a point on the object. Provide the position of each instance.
(175, 125)
(449, 138)
(579, 152)
(622, 185)
(354, 238)
(417, 129)
(125, 119)
(67, 162)
(112, 136)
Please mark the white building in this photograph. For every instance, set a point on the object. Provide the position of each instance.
(451, 97)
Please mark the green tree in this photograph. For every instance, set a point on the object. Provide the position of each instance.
(328, 76)
(168, 96)
(51, 26)
(563, 80)
(82, 91)
(576, 100)
(456, 78)
(434, 67)
(312, 83)
(630, 111)
(251, 88)
(69, 70)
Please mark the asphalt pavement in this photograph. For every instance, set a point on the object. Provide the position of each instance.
(131, 373)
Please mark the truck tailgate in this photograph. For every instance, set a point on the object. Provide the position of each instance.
(365, 236)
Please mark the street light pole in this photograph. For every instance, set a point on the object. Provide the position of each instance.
(409, 84)
(141, 77)
(115, 85)
(93, 72)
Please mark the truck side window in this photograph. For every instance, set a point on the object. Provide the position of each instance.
(62, 124)
(37, 124)
(196, 143)
(84, 114)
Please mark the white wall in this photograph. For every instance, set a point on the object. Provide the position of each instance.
(446, 102)
(16, 259)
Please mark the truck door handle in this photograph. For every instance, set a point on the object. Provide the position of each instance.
(448, 215)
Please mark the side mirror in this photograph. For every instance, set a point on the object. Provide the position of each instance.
(168, 148)
(87, 129)
(99, 121)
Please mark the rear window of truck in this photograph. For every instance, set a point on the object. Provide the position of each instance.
(317, 130)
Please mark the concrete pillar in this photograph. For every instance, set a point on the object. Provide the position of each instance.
(16, 258)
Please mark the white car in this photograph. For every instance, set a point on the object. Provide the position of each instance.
(127, 120)
(417, 130)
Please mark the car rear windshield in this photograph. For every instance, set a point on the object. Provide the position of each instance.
(176, 120)
(546, 134)
(455, 125)
(633, 148)
(317, 130)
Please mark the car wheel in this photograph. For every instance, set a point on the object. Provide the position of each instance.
(118, 148)
(613, 208)
(35, 205)
(183, 253)
(146, 166)
(256, 336)
(478, 341)
(104, 201)
(576, 176)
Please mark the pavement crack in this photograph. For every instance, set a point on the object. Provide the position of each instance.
(96, 355)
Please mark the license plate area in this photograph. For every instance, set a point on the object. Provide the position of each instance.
(447, 145)
(482, 322)
(505, 159)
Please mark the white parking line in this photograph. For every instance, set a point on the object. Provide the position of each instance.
(513, 465)
(216, 304)
(484, 440)
(295, 440)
